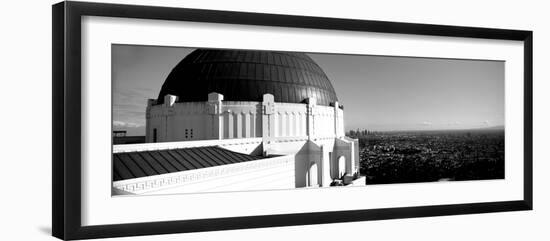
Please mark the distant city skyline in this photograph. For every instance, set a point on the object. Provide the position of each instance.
(379, 93)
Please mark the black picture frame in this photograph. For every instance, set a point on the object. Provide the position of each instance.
(66, 127)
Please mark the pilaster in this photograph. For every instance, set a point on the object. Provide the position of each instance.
(214, 125)
(268, 121)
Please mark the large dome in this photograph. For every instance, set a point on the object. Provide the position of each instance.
(242, 75)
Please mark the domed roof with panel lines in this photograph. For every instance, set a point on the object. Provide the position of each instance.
(244, 75)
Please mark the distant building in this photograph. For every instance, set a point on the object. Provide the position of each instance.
(119, 133)
(235, 120)
(119, 140)
(120, 137)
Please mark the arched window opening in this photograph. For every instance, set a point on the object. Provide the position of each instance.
(312, 176)
(341, 166)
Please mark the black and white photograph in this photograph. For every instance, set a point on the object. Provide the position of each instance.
(198, 120)
(275, 120)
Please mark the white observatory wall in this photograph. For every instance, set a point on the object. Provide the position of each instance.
(323, 121)
(340, 128)
(241, 119)
(263, 174)
(290, 119)
(189, 121)
(186, 121)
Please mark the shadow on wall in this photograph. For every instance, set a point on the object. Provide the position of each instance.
(47, 230)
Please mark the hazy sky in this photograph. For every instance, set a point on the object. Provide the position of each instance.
(378, 92)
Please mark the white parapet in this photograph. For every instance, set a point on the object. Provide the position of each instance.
(263, 174)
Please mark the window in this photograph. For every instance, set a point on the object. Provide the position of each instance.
(155, 135)
(311, 177)
(188, 133)
(341, 166)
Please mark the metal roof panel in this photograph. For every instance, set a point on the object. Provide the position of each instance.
(129, 165)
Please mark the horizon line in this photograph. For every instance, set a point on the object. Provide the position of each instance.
(464, 129)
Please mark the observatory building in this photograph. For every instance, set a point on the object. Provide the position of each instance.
(233, 120)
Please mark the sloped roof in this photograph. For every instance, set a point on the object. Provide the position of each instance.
(128, 165)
